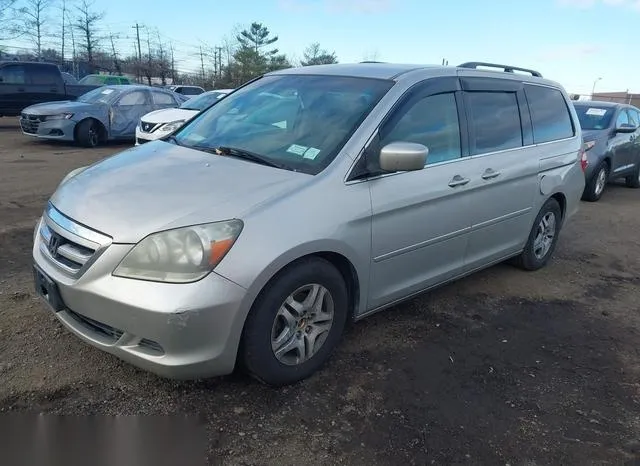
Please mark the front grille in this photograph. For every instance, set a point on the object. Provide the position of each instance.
(103, 329)
(30, 123)
(147, 127)
(70, 246)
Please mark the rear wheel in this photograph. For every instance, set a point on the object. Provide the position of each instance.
(542, 239)
(295, 323)
(595, 186)
(633, 181)
(88, 133)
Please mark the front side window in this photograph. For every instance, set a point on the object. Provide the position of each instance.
(495, 121)
(623, 119)
(432, 122)
(549, 114)
(191, 91)
(299, 122)
(12, 74)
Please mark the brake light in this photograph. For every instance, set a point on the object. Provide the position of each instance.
(583, 159)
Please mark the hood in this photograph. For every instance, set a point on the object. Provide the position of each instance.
(53, 108)
(159, 186)
(167, 115)
(591, 134)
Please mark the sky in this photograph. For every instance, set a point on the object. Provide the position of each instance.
(574, 42)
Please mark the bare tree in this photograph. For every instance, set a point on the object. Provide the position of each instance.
(8, 26)
(63, 24)
(86, 22)
(114, 55)
(34, 20)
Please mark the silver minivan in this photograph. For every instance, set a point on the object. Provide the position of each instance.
(251, 235)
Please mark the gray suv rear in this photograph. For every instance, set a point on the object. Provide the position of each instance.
(253, 233)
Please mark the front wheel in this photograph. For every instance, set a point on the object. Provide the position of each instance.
(542, 239)
(295, 323)
(88, 133)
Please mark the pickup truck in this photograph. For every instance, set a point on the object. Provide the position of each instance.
(27, 83)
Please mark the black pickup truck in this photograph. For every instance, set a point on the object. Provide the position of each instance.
(27, 83)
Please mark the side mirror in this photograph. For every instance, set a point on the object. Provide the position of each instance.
(403, 156)
(626, 129)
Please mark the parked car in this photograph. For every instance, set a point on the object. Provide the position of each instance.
(160, 123)
(106, 113)
(610, 131)
(24, 83)
(252, 236)
(104, 80)
(186, 90)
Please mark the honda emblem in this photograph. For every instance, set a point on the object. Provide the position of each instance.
(53, 245)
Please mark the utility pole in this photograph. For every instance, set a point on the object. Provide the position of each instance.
(137, 28)
(64, 12)
(173, 65)
(73, 48)
(149, 57)
(202, 63)
(219, 49)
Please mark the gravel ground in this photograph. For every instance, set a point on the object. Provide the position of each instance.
(504, 367)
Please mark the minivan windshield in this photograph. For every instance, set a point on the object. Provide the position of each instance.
(202, 101)
(593, 117)
(297, 122)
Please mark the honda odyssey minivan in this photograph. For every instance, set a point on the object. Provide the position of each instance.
(250, 236)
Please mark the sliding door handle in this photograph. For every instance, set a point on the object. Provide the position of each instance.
(489, 174)
(458, 181)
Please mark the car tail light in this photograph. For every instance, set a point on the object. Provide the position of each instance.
(582, 156)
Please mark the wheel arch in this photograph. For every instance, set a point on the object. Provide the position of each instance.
(104, 135)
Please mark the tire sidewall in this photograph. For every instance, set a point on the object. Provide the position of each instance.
(592, 195)
(532, 262)
(257, 356)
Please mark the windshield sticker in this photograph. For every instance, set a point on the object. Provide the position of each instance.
(107, 91)
(596, 111)
(311, 153)
(296, 149)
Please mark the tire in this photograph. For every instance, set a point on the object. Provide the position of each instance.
(633, 181)
(593, 190)
(531, 257)
(88, 133)
(267, 323)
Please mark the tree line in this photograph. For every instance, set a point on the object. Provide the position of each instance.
(83, 47)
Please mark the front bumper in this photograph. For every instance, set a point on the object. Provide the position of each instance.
(142, 136)
(182, 331)
(62, 130)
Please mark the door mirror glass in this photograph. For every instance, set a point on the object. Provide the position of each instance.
(403, 156)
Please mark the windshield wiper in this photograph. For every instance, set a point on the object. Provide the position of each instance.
(173, 139)
(242, 154)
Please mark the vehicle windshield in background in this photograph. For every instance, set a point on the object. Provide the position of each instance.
(593, 117)
(295, 121)
(202, 101)
(101, 94)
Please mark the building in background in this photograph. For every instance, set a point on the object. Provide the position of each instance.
(623, 97)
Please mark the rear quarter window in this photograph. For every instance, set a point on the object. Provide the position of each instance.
(549, 114)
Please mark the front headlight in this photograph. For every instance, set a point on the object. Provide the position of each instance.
(182, 255)
(169, 127)
(60, 116)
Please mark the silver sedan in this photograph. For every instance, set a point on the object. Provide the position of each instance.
(103, 114)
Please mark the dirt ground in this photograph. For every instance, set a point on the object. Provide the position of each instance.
(504, 367)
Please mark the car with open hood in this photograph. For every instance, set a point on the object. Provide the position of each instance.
(307, 198)
(103, 114)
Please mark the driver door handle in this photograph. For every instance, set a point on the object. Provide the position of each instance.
(458, 181)
(489, 174)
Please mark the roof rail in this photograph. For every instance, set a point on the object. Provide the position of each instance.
(506, 68)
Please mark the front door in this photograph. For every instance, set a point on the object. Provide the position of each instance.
(14, 95)
(621, 146)
(127, 111)
(421, 219)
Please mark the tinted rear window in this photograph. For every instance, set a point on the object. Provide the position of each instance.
(549, 114)
(495, 121)
(594, 117)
